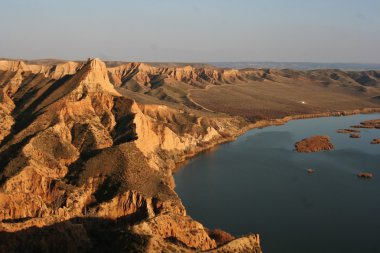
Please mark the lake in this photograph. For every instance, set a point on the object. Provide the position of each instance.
(259, 184)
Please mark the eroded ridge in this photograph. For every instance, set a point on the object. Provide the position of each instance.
(81, 161)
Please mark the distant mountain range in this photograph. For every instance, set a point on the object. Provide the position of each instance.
(298, 65)
(231, 65)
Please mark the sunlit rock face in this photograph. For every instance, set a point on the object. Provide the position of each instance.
(78, 158)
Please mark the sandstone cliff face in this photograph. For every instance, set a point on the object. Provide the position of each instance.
(51, 71)
(167, 136)
(146, 75)
(73, 147)
(60, 70)
(14, 66)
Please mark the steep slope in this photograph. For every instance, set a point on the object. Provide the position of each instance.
(75, 153)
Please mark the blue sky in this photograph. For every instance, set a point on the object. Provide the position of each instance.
(192, 31)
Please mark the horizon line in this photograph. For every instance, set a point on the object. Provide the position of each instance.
(193, 62)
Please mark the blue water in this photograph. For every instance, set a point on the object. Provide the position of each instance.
(259, 184)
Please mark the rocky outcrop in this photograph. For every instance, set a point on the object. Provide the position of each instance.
(167, 136)
(40, 154)
(375, 123)
(183, 229)
(355, 136)
(62, 69)
(250, 243)
(147, 76)
(371, 123)
(14, 66)
(375, 141)
(56, 71)
(347, 131)
(221, 237)
(104, 235)
(365, 175)
(314, 144)
(75, 152)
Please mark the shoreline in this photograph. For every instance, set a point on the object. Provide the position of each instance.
(267, 123)
(262, 124)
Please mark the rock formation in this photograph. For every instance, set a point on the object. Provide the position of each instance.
(77, 155)
(375, 141)
(365, 175)
(375, 123)
(148, 76)
(314, 144)
(347, 131)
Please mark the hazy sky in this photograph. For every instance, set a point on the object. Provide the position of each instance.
(197, 30)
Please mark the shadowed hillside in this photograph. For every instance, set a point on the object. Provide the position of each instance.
(77, 154)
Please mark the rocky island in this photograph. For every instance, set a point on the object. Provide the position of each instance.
(355, 136)
(371, 124)
(314, 144)
(365, 175)
(347, 131)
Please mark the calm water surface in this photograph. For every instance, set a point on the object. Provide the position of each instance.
(259, 184)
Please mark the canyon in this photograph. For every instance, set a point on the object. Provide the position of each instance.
(88, 148)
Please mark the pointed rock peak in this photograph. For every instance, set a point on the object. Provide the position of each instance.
(94, 77)
(96, 64)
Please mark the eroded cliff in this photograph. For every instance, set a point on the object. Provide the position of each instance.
(77, 155)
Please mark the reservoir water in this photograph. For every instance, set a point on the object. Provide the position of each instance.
(259, 184)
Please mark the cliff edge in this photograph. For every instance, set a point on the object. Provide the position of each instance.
(84, 166)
